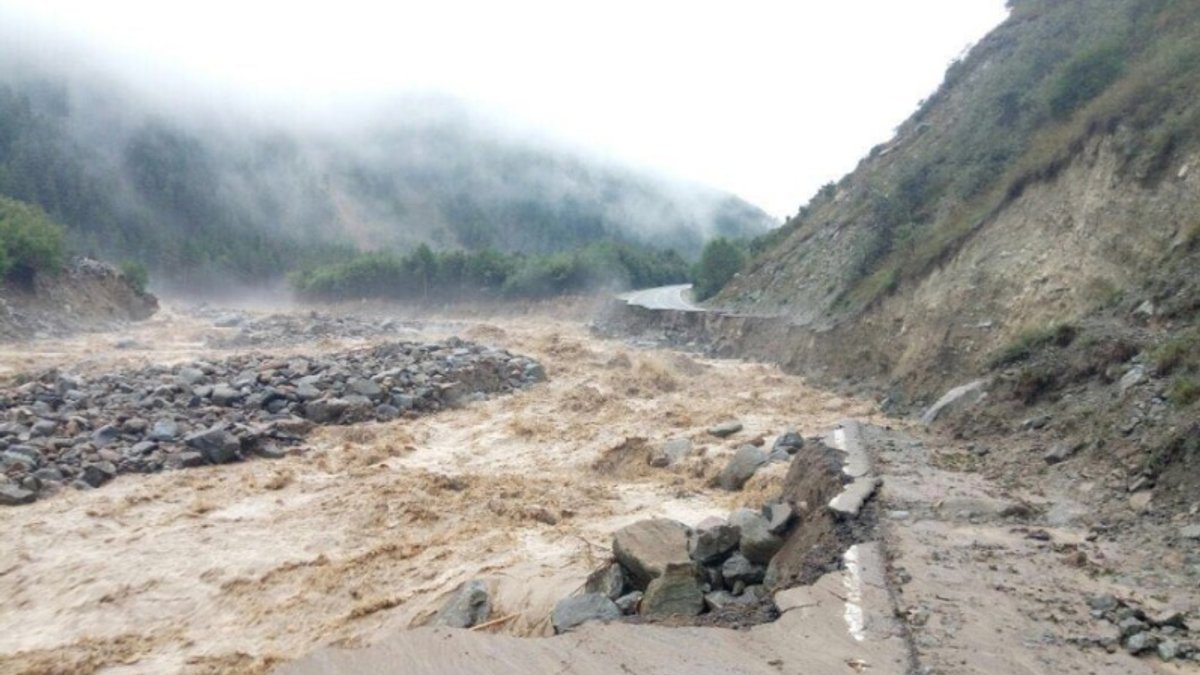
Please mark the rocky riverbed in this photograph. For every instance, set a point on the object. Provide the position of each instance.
(63, 429)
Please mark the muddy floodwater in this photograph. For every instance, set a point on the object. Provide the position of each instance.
(243, 567)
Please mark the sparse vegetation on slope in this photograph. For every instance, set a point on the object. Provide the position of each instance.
(1013, 113)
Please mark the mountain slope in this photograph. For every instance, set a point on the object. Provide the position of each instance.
(1047, 178)
(204, 197)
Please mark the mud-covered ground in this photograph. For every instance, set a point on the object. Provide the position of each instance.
(240, 567)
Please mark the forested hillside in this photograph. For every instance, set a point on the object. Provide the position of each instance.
(229, 197)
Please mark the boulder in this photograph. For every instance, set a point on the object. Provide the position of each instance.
(1061, 452)
(670, 453)
(712, 540)
(326, 410)
(534, 372)
(675, 593)
(1131, 379)
(718, 600)
(574, 611)
(307, 391)
(779, 517)
(469, 606)
(8, 459)
(647, 547)
(956, 400)
(13, 495)
(741, 467)
(758, 543)
(105, 435)
(789, 442)
(364, 387)
(739, 569)
(217, 445)
(608, 581)
(98, 473)
(165, 429)
(1140, 642)
(628, 603)
(225, 395)
(725, 429)
(190, 376)
(43, 428)
(30, 453)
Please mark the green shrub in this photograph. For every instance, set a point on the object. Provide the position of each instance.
(1034, 383)
(1184, 391)
(1029, 342)
(30, 241)
(136, 273)
(1180, 353)
(719, 262)
(1084, 78)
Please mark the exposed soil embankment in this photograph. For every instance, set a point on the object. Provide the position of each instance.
(87, 295)
(816, 354)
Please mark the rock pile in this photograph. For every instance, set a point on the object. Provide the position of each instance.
(244, 329)
(1166, 635)
(61, 429)
(665, 568)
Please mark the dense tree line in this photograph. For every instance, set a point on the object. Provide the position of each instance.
(427, 275)
(30, 243)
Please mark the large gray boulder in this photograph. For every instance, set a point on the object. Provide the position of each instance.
(608, 581)
(738, 568)
(165, 429)
(647, 547)
(572, 612)
(98, 473)
(469, 606)
(13, 495)
(712, 540)
(789, 442)
(741, 467)
(364, 387)
(757, 541)
(326, 410)
(217, 445)
(676, 592)
(225, 395)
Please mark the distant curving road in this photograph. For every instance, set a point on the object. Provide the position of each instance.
(664, 297)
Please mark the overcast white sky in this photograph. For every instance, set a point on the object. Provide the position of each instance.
(766, 99)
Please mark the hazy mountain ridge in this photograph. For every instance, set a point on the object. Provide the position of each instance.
(201, 199)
